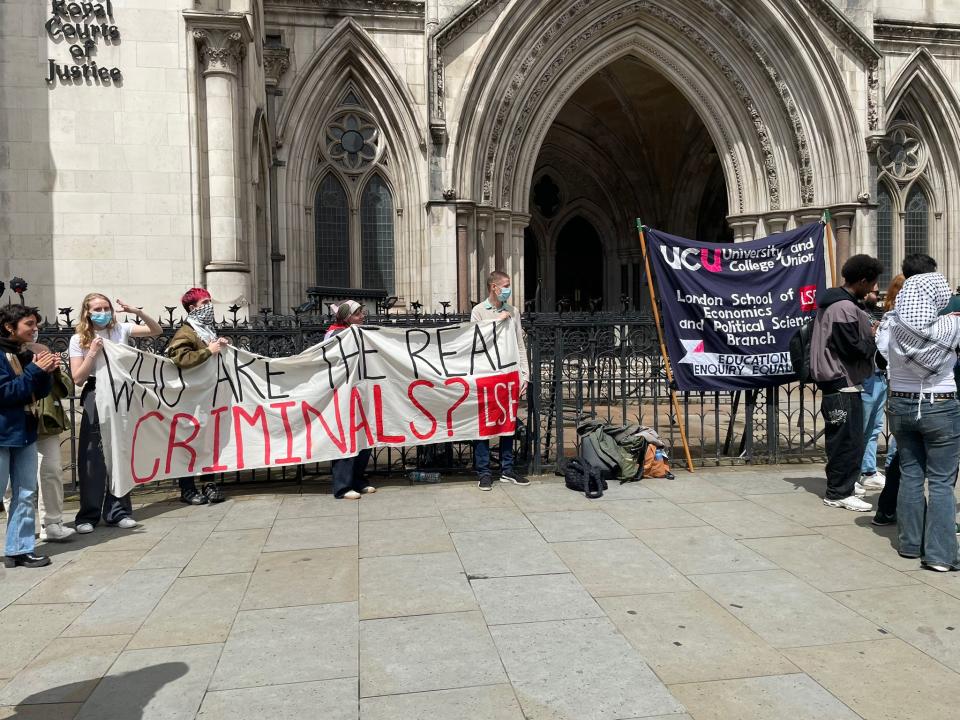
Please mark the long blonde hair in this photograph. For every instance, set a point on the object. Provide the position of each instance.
(890, 297)
(85, 327)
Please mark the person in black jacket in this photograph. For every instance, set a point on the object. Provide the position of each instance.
(24, 379)
(842, 351)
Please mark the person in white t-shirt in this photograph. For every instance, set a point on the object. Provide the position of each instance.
(97, 323)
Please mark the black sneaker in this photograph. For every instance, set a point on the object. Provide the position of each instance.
(513, 477)
(193, 497)
(486, 482)
(882, 519)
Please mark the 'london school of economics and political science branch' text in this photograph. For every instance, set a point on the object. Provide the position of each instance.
(84, 25)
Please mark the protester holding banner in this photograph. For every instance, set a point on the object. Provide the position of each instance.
(24, 379)
(348, 473)
(496, 307)
(842, 351)
(195, 342)
(925, 418)
(98, 322)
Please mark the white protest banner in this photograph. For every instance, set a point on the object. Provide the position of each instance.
(365, 387)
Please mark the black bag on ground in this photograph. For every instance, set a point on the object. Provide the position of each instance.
(580, 476)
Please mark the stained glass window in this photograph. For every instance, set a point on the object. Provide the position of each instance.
(885, 234)
(376, 232)
(916, 221)
(332, 233)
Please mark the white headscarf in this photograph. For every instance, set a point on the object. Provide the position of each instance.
(926, 340)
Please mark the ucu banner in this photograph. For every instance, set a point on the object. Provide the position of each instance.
(729, 310)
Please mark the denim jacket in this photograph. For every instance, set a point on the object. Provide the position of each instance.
(16, 392)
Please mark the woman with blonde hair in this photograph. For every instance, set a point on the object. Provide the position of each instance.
(98, 323)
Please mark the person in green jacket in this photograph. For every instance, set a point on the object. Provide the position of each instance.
(195, 342)
(53, 423)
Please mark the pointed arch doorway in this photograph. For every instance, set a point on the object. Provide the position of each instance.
(579, 266)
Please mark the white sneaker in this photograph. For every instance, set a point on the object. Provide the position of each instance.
(56, 533)
(859, 490)
(875, 481)
(84, 528)
(850, 503)
(127, 523)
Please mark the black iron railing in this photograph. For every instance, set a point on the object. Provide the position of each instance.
(582, 366)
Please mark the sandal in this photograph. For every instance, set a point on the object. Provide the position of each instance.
(193, 497)
(213, 493)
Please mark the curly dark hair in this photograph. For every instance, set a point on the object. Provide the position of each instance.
(13, 314)
(861, 267)
(917, 264)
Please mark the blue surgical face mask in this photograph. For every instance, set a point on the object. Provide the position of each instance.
(101, 319)
(504, 294)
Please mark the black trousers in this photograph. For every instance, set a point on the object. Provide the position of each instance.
(96, 501)
(190, 482)
(887, 502)
(348, 473)
(843, 415)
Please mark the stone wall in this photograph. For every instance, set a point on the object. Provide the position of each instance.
(97, 177)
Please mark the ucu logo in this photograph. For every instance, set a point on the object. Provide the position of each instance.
(692, 259)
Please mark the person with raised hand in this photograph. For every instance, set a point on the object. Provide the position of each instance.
(98, 323)
(24, 380)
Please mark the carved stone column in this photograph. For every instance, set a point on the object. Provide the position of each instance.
(221, 42)
(744, 227)
(843, 216)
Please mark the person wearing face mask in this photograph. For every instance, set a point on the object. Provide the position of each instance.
(24, 379)
(496, 307)
(349, 482)
(98, 323)
(195, 342)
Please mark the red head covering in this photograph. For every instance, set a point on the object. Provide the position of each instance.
(193, 296)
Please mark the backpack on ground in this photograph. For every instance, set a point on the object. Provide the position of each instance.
(599, 450)
(655, 463)
(579, 476)
(800, 352)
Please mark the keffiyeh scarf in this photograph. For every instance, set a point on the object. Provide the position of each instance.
(202, 320)
(925, 340)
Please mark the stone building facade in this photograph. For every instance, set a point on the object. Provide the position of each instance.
(261, 147)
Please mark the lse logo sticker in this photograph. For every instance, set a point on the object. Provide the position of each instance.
(498, 397)
(808, 298)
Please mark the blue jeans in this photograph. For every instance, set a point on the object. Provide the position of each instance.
(929, 448)
(19, 465)
(874, 397)
(481, 455)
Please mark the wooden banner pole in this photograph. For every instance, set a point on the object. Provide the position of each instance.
(830, 248)
(663, 347)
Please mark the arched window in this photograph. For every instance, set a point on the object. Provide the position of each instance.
(916, 221)
(885, 233)
(332, 233)
(376, 235)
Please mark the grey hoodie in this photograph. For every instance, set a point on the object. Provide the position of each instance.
(842, 348)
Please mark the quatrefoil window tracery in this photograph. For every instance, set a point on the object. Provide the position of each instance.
(902, 154)
(352, 141)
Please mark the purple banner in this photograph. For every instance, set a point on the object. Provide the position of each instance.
(729, 310)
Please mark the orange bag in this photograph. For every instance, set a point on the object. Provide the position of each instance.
(654, 467)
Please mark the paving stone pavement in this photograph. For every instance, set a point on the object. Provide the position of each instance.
(731, 594)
